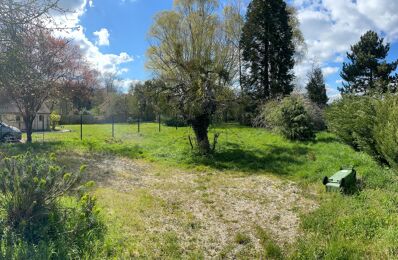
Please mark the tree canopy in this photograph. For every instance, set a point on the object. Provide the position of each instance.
(193, 51)
(368, 70)
(268, 49)
(316, 88)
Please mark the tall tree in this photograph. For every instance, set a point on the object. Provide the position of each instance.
(192, 50)
(316, 88)
(268, 50)
(367, 70)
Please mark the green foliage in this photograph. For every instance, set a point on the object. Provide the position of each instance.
(267, 46)
(197, 68)
(176, 122)
(337, 228)
(55, 118)
(291, 117)
(38, 219)
(352, 119)
(368, 70)
(368, 124)
(316, 87)
(385, 130)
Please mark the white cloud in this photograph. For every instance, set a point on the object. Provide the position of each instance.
(91, 3)
(103, 37)
(330, 27)
(122, 71)
(327, 71)
(125, 84)
(103, 62)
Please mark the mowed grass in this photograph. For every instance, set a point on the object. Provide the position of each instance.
(361, 225)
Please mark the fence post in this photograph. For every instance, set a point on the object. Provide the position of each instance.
(43, 127)
(81, 127)
(139, 121)
(159, 123)
(113, 127)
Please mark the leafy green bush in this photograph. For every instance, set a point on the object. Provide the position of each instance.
(176, 122)
(385, 130)
(352, 119)
(55, 118)
(39, 219)
(293, 117)
(369, 124)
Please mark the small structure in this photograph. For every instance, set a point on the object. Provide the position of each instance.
(10, 114)
(343, 180)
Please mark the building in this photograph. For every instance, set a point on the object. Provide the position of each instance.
(10, 114)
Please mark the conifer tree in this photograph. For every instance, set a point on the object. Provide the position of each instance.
(316, 88)
(268, 50)
(367, 70)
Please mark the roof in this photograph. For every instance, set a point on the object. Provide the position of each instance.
(11, 108)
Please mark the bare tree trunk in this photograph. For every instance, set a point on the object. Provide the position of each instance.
(200, 125)
(29, 128)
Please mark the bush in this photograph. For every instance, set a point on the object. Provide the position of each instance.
(352, 119)
(38, 217)
(176, 122)
(385, 131)
(55, 118)
(294, 117)
(368, 124)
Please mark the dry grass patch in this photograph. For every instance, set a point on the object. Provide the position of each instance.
(156, 211)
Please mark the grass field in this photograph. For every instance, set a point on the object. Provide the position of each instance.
(258, 195)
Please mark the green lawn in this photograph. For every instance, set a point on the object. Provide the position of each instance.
(362, 225)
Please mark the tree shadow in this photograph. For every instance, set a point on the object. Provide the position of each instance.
(273, 159)
(327, 139)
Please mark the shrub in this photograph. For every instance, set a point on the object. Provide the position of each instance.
(294, 117)
(352, 119)
(39, 219)
(176, 122)
(385, 131)
(55, 118)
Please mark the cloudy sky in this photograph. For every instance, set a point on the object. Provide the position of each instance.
(113, 33)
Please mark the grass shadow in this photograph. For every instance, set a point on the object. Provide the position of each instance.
(271, 159)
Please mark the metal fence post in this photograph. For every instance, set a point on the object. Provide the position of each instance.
(81, 127)
(159, 123)
(42, 127)
(113, 127)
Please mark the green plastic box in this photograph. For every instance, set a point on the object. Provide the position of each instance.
(341, 181)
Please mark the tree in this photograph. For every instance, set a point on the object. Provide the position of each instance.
(34, 13)
(192, 51)
(32, 66)
(80, 88)
(316, 87)
(367, 70)
(268, 50)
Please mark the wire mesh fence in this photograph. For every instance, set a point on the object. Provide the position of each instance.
(86, 127)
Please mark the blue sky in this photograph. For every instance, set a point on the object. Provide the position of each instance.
(114, 33)
(128, 23)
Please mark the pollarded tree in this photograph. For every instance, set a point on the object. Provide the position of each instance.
(268, 50)
(193, 51)
(368, 71)
(316, 88)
